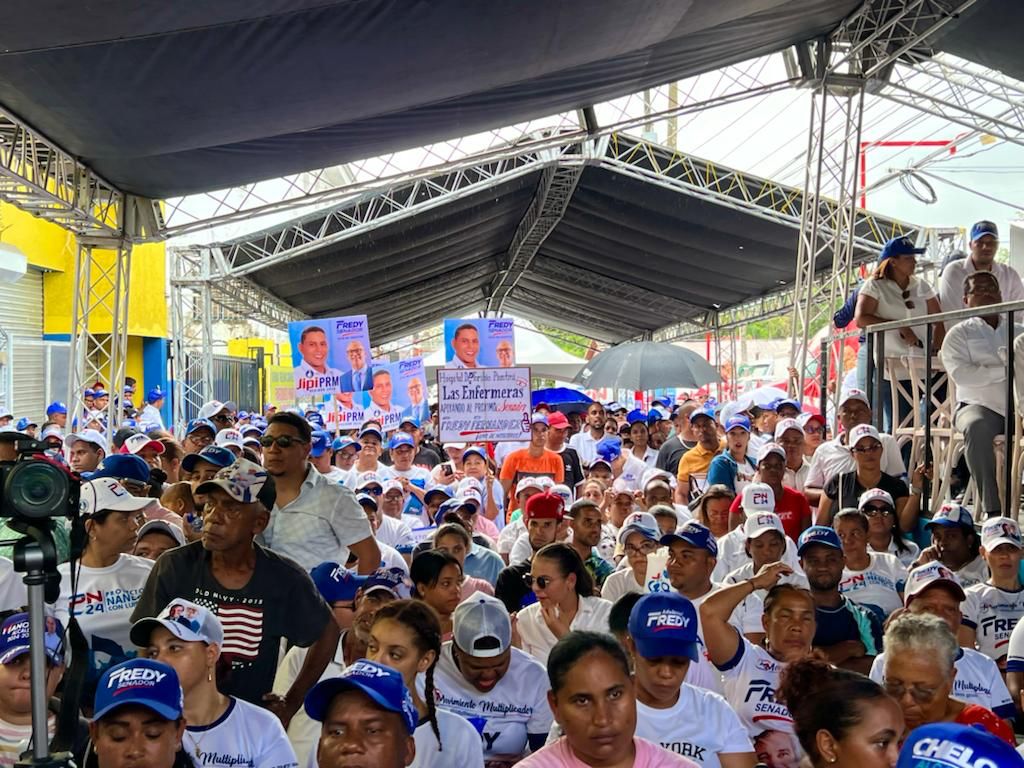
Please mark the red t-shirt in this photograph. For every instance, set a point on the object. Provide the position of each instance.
(975, 714)
(792, 508)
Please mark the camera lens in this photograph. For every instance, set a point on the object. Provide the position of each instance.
(37, 490)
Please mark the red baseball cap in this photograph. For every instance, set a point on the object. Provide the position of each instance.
(544, 506)
(557, 420)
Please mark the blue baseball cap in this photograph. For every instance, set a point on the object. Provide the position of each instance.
(788, 401)
(100, 392)
(365, 498)
(698, 412)
(818, 534)
(399, 439)
(122, 466)
(383, 685)
(14, 639)
(982, 228)
(196, 424)
(336, 583)
(664, 624)
(242, 415)
(89, 392)
(635, 416)
(211, 454)
(737, 422)
(655, 415)
(665, 401)
(56, 408)
(694, 534)
(143, 682)
(24, 423)
(393, 580)
(474, 450)
(442, 490)
(609, 448)
(899, 246)
(345, 441)
(155, 394)
(371, 431)
(952, 516)
(945, 745)
(409, 420)
(315, 419)
(319, 442)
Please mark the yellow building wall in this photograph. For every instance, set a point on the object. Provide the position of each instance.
(277, 353)
(51, 248)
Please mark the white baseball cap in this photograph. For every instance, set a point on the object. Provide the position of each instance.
(784, 425)
(560, 489)
(108, 495)
(771, 448)
(87, 436)
(875, 494)
(761, 523)
(136, 443)
(229, 437)
(391, 485)
(214, 407)
(183, 619)
(1000, 530)
(642, 523)
(758, 497)
(930, 574)
(527, 483)
(861, 431)
(854, 394)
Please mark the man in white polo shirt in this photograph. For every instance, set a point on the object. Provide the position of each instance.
(984, 247)
(933, 588)
(834, 456)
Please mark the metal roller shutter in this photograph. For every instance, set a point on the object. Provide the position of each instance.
(21, 317)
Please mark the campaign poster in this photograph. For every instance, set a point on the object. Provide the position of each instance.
(486, 342)
(483, 404)
(331, 354)
(344, 411)
(398, 389)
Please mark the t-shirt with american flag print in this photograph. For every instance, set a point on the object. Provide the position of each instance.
(280, 601)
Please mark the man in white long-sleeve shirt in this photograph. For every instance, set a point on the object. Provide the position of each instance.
(974, 355)
(984, 245)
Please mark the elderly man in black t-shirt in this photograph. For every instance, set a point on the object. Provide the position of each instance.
(258, 595)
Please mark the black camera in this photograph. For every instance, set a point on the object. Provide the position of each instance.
(36, 486)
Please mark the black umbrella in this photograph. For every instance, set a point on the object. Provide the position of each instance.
(647, 365)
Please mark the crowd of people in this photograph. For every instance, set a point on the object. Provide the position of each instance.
(694, 584)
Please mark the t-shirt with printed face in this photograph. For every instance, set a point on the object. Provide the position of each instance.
(879, 586)
(505, 715)
(280, 601)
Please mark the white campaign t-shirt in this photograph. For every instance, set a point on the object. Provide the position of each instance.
(877, 587)
(977, 682)
(245, 735)
(732, 554)
(993, 613)
(700, 726)
(103, 603)
(975, 572)
(13, 595)
(394, 532)
(892, 306)
(751, 679)
(503, 716)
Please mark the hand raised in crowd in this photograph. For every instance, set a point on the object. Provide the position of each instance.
(638, 500)
(921, 471)
(281, 707)
(769, 575)
(517, 641)
(926, 556)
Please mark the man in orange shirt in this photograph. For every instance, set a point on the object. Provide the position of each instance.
(532, 461)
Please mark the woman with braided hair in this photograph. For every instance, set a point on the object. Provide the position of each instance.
(406, 636)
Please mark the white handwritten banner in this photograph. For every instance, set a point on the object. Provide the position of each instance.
(477, 404)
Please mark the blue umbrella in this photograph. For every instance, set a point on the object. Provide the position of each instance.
(558, 396)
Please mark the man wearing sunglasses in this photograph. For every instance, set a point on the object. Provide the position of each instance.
(314, 520)
(259, 596)
(221, 414)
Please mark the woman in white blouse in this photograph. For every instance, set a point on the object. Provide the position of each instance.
(894, 292)
(565, 601)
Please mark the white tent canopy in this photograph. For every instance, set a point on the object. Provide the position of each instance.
(534, 350)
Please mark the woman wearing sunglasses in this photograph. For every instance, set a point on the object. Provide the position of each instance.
(894, 292)
(845, 489)
(220, 730)
(565, 601)
(884, 532)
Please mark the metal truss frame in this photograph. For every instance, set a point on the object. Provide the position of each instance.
(550, 201)
(102, 273)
